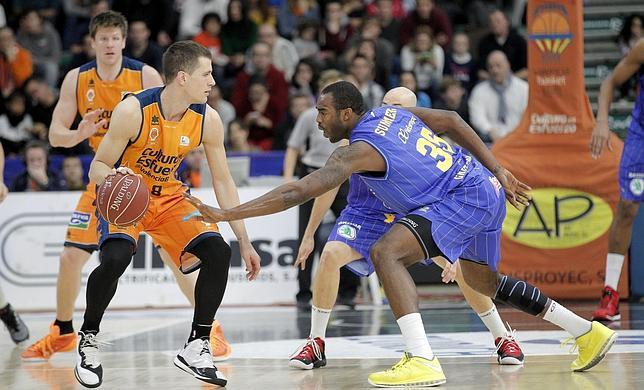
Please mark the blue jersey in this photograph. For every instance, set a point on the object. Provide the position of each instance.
(362, 199)
(421, 167)
(637, 122)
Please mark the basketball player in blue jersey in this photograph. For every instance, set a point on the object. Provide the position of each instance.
(453, 206)
(359, 226)
(631, 174)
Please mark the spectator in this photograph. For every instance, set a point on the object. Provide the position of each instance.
(305, 78)
(454, 98)
(47, 9)
(497, 105)
(504, 38)
(408, 80)
(208, 37)
(363, 71)
(283, 53)
(389, 23)
(260, 64)
(630, 33)
(238, 138)
(427, 14)
(298, 103)
(193, 12)
(73, 174)
(15, 124)
(141, 48)
(292, 13)
(460, 64)
(37, 175)
(335, 32)
(16, 64)
(425, 58)
(259, 12)
(263, 116)
(86, 53)
(76, 30)
(239, 33)
(158, 16)
(371, 45)
(41, 39)
(395, 9)
(43, 101)
(190, 173)
(225, 110)
(306, 42)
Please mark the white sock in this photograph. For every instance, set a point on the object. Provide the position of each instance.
(567, 320)
(493, 322)
(3, 300)
(319, 322)
(413, 332)
(614, 263)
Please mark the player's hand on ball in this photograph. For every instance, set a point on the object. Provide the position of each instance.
(207, 213)
(516, 192)
(306, 247)
(121, 170)
(251, 259)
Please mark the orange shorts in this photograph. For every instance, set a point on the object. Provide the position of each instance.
(81, 230)
(166, 221)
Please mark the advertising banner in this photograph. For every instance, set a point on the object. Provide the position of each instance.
(32, 232)
(559, 242)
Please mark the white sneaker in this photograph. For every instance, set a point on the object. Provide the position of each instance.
(196, 359)
(88, 370)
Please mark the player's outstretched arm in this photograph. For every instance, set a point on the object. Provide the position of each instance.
(124, 127)
(224, 186)
(450, 123)
(345, 160)
(626, 68)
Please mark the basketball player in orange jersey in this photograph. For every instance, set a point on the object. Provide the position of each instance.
(150, 134)
(92, 91)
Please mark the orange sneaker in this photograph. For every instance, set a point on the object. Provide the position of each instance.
(221, 350)
(49, 345)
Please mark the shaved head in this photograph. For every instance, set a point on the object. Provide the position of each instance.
(399, 96)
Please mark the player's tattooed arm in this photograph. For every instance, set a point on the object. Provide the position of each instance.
(342, 163)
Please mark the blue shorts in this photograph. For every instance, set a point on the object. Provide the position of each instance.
(631, 167)
(467, 222)
(360, 229)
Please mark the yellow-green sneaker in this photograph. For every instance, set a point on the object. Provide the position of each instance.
(593, 346)
(410, 371)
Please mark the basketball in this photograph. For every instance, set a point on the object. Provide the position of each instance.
(122, 199)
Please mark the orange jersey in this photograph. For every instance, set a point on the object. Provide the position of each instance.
(161, 144)
(93, 93)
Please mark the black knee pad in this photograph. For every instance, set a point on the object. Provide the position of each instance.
(213, 250)
(116, 255)
(521, 295)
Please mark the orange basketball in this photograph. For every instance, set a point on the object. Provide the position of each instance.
(122, 200)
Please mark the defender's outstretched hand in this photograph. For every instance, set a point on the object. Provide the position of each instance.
(208, 213)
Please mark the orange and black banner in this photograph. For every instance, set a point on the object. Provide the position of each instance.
(559, 242)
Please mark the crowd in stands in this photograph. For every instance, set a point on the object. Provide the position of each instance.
(267, 58)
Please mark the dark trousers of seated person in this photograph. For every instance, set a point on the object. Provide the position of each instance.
(349, 281)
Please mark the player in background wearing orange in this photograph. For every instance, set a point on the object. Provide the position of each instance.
(150, 134)
(92, 91)
(16, 327)
(631, 174)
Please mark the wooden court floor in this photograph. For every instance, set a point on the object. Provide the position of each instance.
(358, 342)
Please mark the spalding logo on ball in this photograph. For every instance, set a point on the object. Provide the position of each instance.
(122, 199)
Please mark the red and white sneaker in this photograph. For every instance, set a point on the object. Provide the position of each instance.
(309, 355)
(608, 309)
(508, 350)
